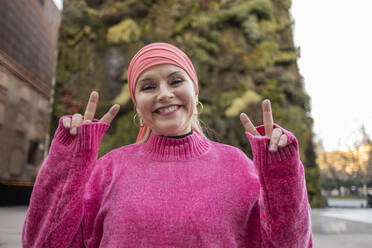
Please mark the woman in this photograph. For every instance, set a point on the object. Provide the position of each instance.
(174, 187)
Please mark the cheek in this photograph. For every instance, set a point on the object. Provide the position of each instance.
(191, 106)
(143, 107)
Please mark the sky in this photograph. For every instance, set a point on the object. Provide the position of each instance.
(336, 51)
(58, 3)
(335, 41)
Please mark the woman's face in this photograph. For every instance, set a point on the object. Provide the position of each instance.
(166, 100)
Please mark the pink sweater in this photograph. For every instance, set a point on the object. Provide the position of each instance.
(188, 192)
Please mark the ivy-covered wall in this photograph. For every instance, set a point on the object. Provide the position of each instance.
(243, 52)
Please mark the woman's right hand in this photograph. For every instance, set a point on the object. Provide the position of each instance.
(77, 119)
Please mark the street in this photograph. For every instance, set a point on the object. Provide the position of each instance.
(332, 227)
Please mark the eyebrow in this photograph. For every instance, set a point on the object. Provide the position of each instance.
(149, 79)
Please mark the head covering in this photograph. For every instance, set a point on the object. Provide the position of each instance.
(157, 54)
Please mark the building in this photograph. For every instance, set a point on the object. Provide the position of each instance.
(28, 51)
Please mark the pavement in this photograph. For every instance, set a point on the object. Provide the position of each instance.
(341, 227)
(346, 203)
(11, 222)
(335, 227)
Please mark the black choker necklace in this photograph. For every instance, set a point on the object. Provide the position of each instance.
(180, 136)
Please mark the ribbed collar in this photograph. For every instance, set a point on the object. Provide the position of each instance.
(163, 148)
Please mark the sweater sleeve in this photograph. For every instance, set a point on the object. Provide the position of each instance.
(283, 203)
(54, 217)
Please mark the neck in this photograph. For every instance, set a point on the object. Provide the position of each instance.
(180, 136)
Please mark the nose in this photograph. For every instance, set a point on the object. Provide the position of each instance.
(165, 93)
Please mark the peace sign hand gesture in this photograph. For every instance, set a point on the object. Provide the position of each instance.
(277, 138)
(77, 119)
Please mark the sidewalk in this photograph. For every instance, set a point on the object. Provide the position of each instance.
(346, 228)
(11, 223)
(342, 240)
(332, 228)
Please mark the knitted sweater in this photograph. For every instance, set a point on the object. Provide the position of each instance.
(188, 192)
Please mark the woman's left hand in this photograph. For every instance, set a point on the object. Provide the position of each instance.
(277, 138)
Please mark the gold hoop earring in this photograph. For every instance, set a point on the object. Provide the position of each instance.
(135, 123)
(201, 110)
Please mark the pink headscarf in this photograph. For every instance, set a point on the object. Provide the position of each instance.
(157, 54)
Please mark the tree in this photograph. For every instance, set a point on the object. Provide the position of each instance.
(352, 167)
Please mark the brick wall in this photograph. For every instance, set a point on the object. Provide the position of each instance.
(28, 34)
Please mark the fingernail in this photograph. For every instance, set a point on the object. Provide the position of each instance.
(65, 123)
(73, 131)
(281, 143)
(272, 147)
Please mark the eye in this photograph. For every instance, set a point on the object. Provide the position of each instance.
(147, 87)
(176, 81)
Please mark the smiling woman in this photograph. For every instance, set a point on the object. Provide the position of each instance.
(174, 187)
(166, 100)
(165, 75)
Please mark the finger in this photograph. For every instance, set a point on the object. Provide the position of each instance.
(283, 140)
(110, 115)
(90, 111)
(77, 119)
(267, 117)
(274, 140)
(248, 126)
(66, 122)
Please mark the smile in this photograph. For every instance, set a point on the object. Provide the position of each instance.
(167, 110)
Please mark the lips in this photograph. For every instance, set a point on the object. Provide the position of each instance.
(167, 110)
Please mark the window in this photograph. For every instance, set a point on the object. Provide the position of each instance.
(32, 152)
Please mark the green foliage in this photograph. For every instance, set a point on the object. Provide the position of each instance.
(286, 4)
(124, 132)
(184, 16)
(313, 187)
(286, 57)
(127, 31)
(238, 13)
(263, 56)
(274, 93)
(251, 28)
(240, 104)
(267, 54)
(295, 120)
(124, 96)
(200, 48)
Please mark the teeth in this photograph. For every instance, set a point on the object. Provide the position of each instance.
(167, 110)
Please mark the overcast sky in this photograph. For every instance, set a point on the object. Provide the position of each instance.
(58, 3)
(336, 52)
